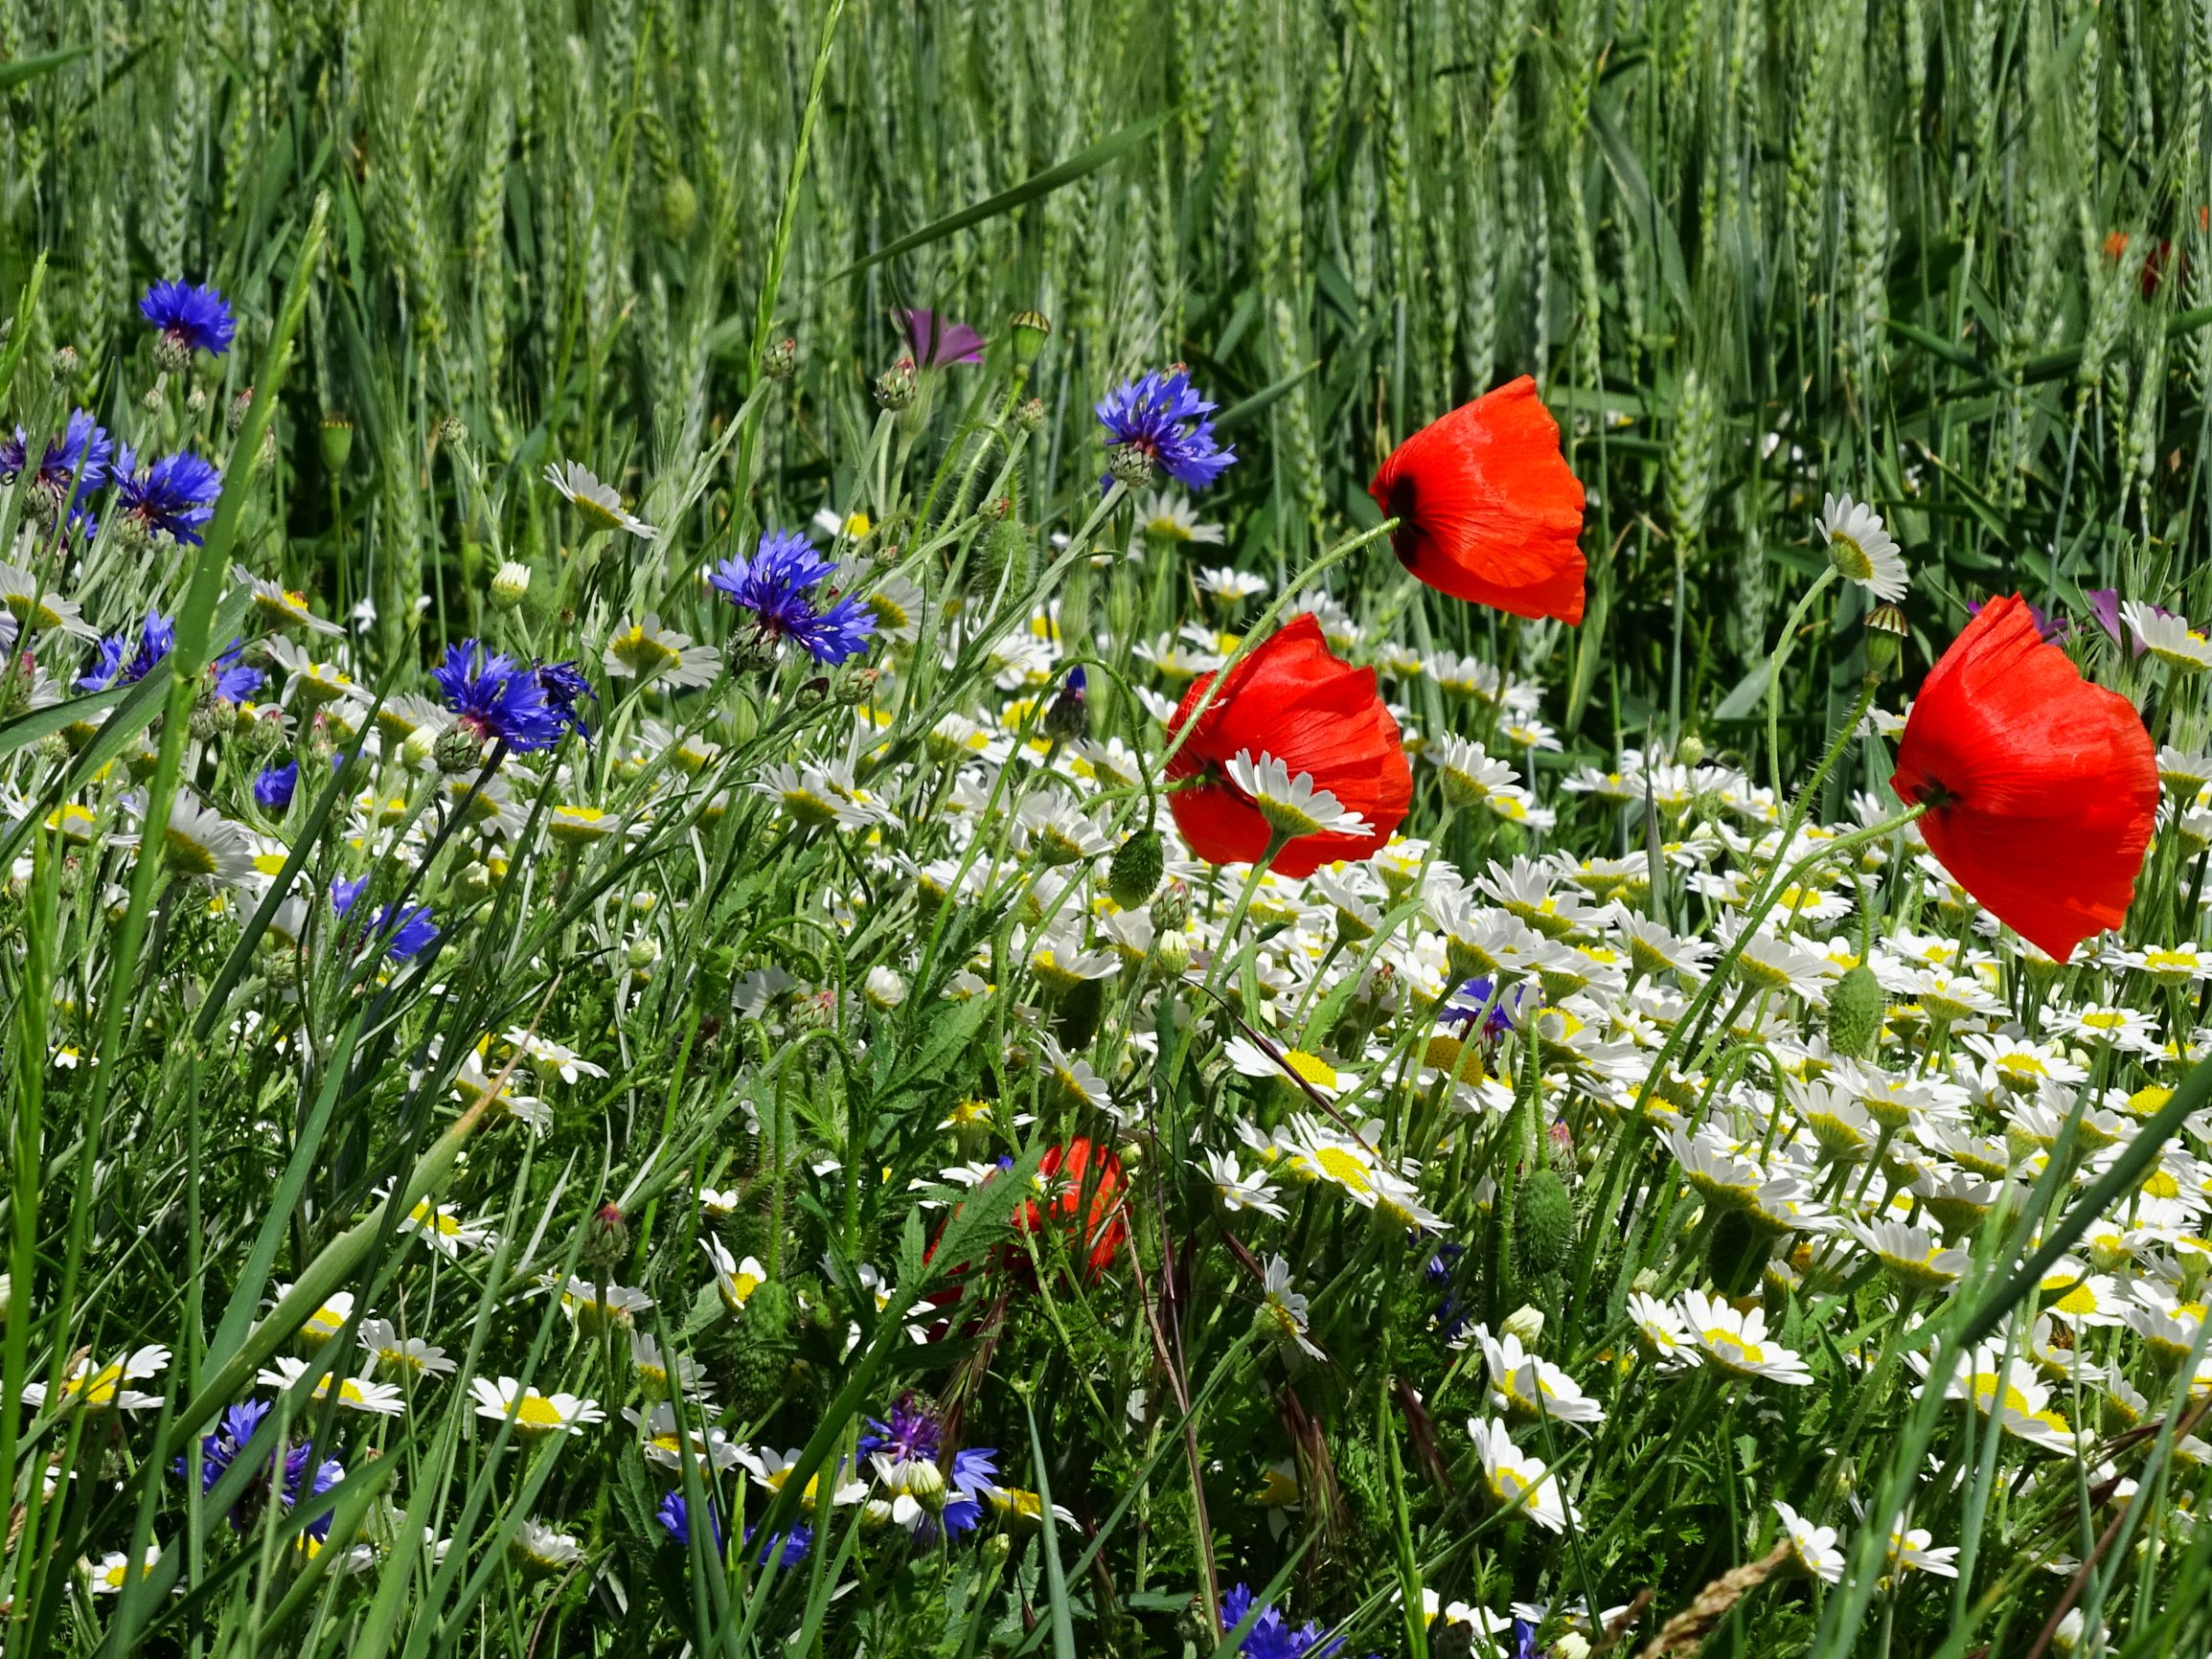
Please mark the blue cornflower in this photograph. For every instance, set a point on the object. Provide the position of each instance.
(116, 661)
(1523, 1639)
(675, 1515)
(235, 678)
(912, 1434)
(497, 698)
(974, 1473)
(1270, 1636)
(176, 493)
(564, 685)
(1159, 422)
(788, 1548)
(1467, 1003)
(275, 786)
(304, 1475)
(414, 930)
(189, 318)
(82, 455)
(776, 586)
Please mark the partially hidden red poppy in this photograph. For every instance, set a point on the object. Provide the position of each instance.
(2041, 789)
(1487, 508)
(1079, 1178)
(1295, 700)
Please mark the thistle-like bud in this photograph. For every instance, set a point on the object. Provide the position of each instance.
(196, 399)
(1171, 908)
(1029, 414)
(171, 352)
(1029, 329)
(211, 717)
(337, 439)
(452, 431)
(1129, 465)
(607, 1235)
(510, 583)
(154, 401)
(1885, 631)
(67, 364)
(896, 386)
(781, 360)
(1138, 864)
(460, 749)
(995, 509)
(236, 418)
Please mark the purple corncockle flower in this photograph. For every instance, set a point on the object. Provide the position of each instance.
(1162, 420)
(191, 318)
(775, 587)
(413, 934)
(2052, 629)
(117, 662)
(2105, 606)
(937, 341)
(498, 699)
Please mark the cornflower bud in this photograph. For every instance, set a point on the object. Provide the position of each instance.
(896, 386)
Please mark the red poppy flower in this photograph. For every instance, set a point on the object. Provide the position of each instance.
(2041, 789)
(1074, 1172)
(1297, 700)
(1487, 509)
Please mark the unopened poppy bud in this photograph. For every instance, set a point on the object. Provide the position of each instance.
(781, 360)
(894, 387)
(1885, 631)
(1856, 1005)
(337, 439)
(1138, 864)
(995, 509)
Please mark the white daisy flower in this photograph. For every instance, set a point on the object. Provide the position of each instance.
(595, 502)
(646, 651)
(1285, 1309)
(531, 1412)
(1514, 1479)
(1291, 806)
(2168, 638)
(1812, 1547)
(358, 1393)
(1860, 549)
(1738, 1342)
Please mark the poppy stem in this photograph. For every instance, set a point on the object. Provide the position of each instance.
(1774, 664)
(1265, 619)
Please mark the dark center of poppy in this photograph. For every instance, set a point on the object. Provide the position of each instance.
(1935, 796)
(1405, 540)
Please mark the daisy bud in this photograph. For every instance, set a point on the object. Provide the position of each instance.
(338, 440)
(894, 387)
(781, 360)
(643, 952)
(1690, 750)
(510, 585)
(1525, 1323)
(1171, 951)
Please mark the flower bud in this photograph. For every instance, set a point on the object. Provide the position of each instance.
(995, 509)
(1068, 716)
(452, 431)
(1030, 330)
(896, 386)
(1172, 907)
(1129, 465)
(781, 360)
(154, 401)
(1690, 749)
(460, 749)
(235, 419)
(67, 364)
(1525, 1323)
(171, 352)
(1138, 864)
(607, 1235)
(642, 953)
(1029, 414)
(510, 583)
(1856, 1005)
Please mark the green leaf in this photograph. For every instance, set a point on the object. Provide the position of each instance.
(1055, 1580)
(18, 70)
(1036, 186)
